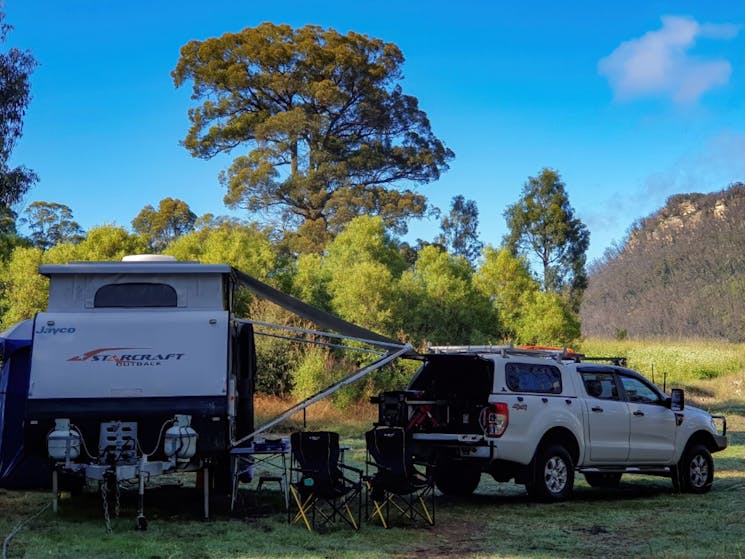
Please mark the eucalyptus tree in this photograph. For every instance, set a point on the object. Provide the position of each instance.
(543, 229)
(15, 93)
(321, 127)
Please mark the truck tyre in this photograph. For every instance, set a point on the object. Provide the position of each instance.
(605, 480)
(696, 469)
(553, 475)
(457, 478)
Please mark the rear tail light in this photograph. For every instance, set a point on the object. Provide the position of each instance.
(494, 419)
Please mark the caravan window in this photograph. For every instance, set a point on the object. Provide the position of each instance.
(134, 295)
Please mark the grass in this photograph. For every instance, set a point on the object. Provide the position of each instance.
(643, 518)
(683, 361)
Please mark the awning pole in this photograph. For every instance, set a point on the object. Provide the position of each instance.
(326, 392)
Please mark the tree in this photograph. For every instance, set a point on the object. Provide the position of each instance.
(506, 280)
(543, 226)
(328, 131)
(9, 238)
(356, 277)
(159, 227)
(50, 224)
(24, 291)
(460, 229)
(439, 304)
(15, 93)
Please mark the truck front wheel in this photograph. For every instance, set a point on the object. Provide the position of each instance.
(553, 475)
(457, 478)
(696, 469)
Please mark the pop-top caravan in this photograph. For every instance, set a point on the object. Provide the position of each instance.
(139, 368)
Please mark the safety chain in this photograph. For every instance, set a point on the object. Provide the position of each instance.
(117, 502)
(105, 499)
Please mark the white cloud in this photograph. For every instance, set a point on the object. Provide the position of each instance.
(658, 62)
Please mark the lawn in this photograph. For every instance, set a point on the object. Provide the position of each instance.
(643, 518)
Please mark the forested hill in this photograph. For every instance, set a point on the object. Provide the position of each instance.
(681, 272)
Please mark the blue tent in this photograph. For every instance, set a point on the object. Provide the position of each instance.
(16, 470)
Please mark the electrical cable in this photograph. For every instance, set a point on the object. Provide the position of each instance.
(19, 526)
(157, 443)
(82, 440)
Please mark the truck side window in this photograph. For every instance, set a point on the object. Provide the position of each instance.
(637, 391)
(523, 377)
(600, 385)
(135, 295)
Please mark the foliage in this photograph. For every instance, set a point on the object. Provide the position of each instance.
(24, 291)
(680, 273)
(172, 219)
(506, 281)
(326, 124)
(9, 238)
(547, 320)
(460, 229)
(543, 227)
(51, 224)
(438, 303)
(15, 93)
(356, 278)
(313, 372)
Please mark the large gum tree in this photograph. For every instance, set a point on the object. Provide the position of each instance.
(15, 93)
(322, 128)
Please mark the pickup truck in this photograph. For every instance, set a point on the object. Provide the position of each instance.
(539, 416)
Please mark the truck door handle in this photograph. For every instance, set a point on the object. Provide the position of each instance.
(638, 413)
(597, 408)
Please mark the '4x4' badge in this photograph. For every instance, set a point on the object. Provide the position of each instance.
(519, 406)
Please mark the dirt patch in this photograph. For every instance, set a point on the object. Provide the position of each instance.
(451, 539)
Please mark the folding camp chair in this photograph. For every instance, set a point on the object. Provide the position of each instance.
(319, 489)
(397, 484)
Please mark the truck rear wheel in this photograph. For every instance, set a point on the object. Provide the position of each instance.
(458, 479)
(553, 475)
(696, 469)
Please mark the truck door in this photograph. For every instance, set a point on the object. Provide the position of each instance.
(608, 418)
(652, 423)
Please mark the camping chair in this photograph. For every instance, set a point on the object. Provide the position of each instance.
(397, 484)
(318, 487)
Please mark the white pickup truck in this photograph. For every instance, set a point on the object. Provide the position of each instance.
(537, 416)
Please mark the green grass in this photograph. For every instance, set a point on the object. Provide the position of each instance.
(641, 519)
(684, 361)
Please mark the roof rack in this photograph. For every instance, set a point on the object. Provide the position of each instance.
(560, 354)
(617, 361)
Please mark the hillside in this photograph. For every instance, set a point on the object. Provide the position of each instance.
(680, 273)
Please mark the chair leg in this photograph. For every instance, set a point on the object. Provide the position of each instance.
(428, 517)
(301, 508)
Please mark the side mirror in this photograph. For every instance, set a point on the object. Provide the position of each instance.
(677, 399)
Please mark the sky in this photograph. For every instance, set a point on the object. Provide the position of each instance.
(630, 102)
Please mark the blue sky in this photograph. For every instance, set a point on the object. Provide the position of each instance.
(631, 102)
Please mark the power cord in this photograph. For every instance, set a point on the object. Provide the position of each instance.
(19, 526)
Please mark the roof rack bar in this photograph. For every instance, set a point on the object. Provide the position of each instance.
(561, 354)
